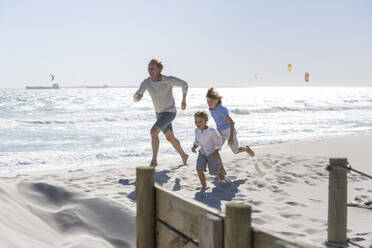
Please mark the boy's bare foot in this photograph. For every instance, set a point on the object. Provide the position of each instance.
(202, 188)
(250, 152)
(184, 159)
(153, 164)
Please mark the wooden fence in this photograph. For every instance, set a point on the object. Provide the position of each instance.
(165, 220)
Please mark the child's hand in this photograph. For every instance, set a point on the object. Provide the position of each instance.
(193, 149)
(230, 142)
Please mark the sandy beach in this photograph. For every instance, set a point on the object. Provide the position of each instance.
(95, 206)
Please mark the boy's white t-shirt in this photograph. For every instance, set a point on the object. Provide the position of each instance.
(208, 140)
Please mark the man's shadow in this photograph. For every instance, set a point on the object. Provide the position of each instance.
(222, 192)
(160, 177)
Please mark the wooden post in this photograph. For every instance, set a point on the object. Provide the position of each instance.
(238, 232)
(211, 231)
(337, 203)
(145, 199)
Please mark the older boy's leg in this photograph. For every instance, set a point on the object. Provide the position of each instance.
(245, 149)
(249, 151)
(235, 145)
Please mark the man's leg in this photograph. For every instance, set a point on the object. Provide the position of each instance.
(155, 145)
(177, 145)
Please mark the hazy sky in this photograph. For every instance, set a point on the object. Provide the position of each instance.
(203, 42)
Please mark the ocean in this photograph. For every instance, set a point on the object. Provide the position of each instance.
(69, 128)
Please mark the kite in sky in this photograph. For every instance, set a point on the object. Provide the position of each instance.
(307, 75)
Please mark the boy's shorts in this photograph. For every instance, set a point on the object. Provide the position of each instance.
(164, 121)
(212, 162)
(226, 136)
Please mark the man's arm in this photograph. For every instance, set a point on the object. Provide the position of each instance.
(139, 93)
(180, 83)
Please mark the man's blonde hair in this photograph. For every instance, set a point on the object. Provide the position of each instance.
(157, 62)
(213, 94)
(201, 114)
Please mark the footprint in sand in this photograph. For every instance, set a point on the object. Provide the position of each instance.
(269, 218)
(319, 221)
(290, 216)
(259, 183)
(251, 189)
(255, 203)
(259, 221)
(313, 230)
(297, 226)
(280, 208)
(280, 199)
(291, 203)
(293, 234)
(310, 183)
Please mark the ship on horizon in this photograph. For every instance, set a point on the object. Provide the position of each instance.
(54, 86)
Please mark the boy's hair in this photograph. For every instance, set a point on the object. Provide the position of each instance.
(201, 114)
(213, 94)
(157, 62)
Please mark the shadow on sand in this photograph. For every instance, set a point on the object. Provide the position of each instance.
(222, 192)
(161, 177)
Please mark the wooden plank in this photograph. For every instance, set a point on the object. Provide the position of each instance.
(183, 215)
(238, 231)
(263, 239)
(166, 238)
(145, 198)
(211, 231)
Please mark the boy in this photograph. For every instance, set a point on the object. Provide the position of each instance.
(210, 141)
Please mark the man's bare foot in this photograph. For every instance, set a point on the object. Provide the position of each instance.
(184, 159)
(250, 152)
(202, 188)
(153, 164)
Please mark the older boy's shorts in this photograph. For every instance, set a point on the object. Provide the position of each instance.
(212, 162)
(164, 121)
(226, 136)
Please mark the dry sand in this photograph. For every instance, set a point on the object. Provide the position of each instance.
(95, 206)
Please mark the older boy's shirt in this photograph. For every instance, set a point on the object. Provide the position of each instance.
(208, 140)
(161, 92)
(219, 115)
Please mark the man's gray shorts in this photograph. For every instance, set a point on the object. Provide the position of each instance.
(164, 121)
(212, 162)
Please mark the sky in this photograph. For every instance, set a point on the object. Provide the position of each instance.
(205, 42)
